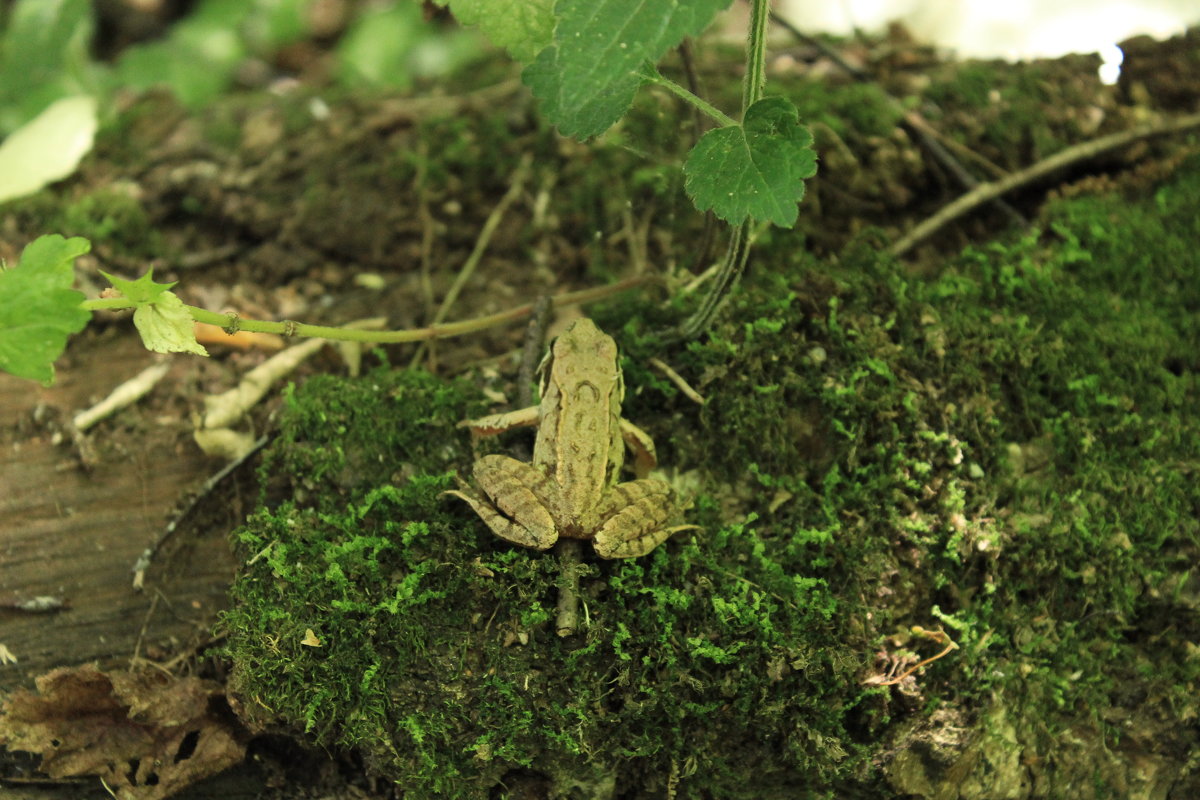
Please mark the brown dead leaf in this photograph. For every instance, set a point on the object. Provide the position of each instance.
(148, 735)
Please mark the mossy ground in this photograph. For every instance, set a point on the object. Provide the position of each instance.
(1008, 451)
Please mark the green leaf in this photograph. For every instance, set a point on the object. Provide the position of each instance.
(47, 148)
(43, 57)
(522, 27)
(142, 290)
(166, 326)
(38, 307)
(756, 169)
(393, 45)
(162, 320)
(587, 77)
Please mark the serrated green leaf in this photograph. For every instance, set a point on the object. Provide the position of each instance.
(166, 326)
(38, 307)
(587, 77)
(142, 290)
(522, 27)
(756, 169)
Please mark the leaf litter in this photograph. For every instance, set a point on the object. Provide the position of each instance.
(147, 735)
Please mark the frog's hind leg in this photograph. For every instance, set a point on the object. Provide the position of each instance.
(516, 503)
(635, 516)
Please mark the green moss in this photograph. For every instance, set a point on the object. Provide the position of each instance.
(114, 217)
(1014, 115)
(437, 652)
(1007, 451)
(860, 109)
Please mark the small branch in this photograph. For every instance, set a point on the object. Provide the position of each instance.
(914, 122)
(531, 351)
(147, 556)
(567, 621)
(1072, 155)
(516, 183)
(677, 379)
(126, 394)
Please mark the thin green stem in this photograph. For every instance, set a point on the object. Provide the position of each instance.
(233, 323)
(737, 254)
(652, 74)
(756, 54)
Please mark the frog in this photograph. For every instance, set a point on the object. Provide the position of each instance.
(572, 488)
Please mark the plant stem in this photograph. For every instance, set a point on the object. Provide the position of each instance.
(756, 54)
(652, 74)
(738, 251)
(232, 323)
(732, 265)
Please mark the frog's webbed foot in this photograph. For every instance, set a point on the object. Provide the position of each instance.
(513, 503)
(636, 516)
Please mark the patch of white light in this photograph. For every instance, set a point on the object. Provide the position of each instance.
(1011, 29)
(1110, 69)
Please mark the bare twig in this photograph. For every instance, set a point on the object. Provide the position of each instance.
(911, 120)
(147, 555)
(126, 394)
(677, 379)
(516, 184)
(567, 618)
(531, 353)
(1072, 155)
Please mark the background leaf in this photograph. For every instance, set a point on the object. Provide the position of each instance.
(522, 27)
(48, 148)
(39, 310)
(587, 77)
(43, 57)
(756, 169)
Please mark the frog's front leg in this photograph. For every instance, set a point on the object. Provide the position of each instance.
(499, 423)
(635, 517)
(516, 506)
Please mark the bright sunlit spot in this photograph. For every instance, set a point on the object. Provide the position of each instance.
(1110, 69)
(1013, 30)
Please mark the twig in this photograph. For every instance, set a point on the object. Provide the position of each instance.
(531, 353)
(567, 619)
(1080, 152)
(143, 561)
(126, 394)
(41, 604)
(914, 122)
(939, 636)
(677, 379)
(516, 183)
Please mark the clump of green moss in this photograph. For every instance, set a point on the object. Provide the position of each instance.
(437, 653)
(1007, 450)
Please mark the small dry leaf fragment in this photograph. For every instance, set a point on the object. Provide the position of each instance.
(147, 735)
(310, 639)
(6, 655)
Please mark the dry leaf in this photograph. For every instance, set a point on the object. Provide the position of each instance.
(148, 735)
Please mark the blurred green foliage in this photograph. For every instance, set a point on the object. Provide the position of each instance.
(43, 57)
(45, 51)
